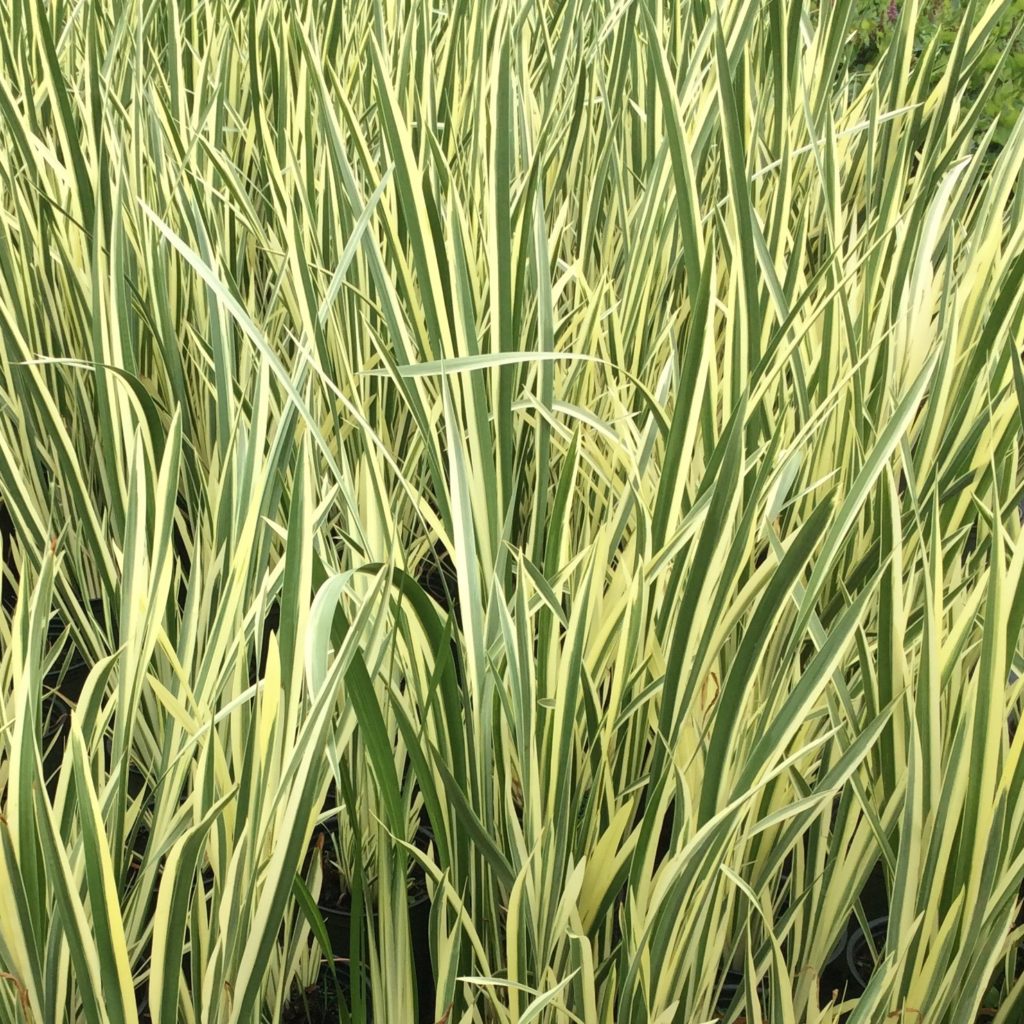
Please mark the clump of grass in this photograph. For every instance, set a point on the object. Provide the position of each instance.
(568, 454)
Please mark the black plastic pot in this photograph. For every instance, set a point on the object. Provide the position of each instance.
(335, 906)
(851, 970)
(859, 961)
(733, 984)
(339, 924)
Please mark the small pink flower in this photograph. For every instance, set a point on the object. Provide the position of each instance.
(892, 12)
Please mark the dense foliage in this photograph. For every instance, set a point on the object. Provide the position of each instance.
(999, 78)
(509, 512)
